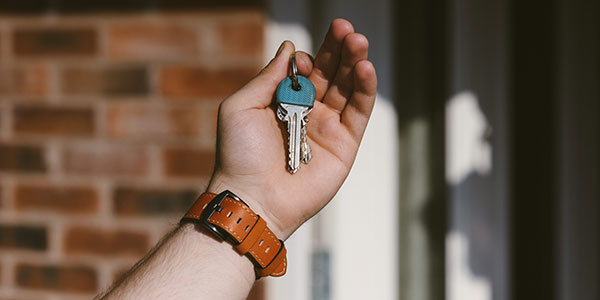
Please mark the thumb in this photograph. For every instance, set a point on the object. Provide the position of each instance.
(258, 93)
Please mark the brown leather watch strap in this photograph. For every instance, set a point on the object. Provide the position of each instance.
(229, 218)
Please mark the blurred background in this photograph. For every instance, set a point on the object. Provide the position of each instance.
(478, 177)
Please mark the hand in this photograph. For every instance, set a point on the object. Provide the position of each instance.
(252, 143)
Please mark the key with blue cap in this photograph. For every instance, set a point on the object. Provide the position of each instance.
(296, 96)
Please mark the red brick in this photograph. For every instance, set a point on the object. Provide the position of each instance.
(54, 42)
(105, 160)
(23, 237)
(182, 162)
(46, 120)
(132, 120)
(105, 242)
(110, 81)
(22, 158)
(152, 201)
(242, 38)
(110, 7)
(57, 278)
(197, 82)
(151, 41)
(28, 81)
(61, 199)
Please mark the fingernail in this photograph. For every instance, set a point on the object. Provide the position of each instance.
(280, 48)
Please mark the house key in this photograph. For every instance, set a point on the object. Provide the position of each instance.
(296, 96)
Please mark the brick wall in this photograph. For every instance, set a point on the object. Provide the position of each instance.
(107, 133)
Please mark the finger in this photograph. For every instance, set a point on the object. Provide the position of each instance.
(304, 62)
(258, 93)
(328, 57)
(354, 49)
(355, 115)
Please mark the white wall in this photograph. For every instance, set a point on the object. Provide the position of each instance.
(359, 229)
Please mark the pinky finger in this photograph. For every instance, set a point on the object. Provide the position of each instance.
(357, 111)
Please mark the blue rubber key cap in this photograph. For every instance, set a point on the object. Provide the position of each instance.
(296, 96)
(305, 96)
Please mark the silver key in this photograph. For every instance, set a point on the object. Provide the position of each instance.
(304, 146)
(294, 115)
(295, 95)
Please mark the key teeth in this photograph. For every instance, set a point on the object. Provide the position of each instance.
(305, 150)
(281, 114)
(306, 159)
(293, 171)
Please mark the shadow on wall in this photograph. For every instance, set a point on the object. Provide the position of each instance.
(469, 243)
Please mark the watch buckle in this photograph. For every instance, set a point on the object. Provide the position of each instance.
(215, 206)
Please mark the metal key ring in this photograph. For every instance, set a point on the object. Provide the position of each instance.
(295, 84)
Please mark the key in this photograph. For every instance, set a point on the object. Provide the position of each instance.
(296, 96)
(292, 115)
(304, 146)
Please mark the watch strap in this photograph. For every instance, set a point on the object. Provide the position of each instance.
(231, 219)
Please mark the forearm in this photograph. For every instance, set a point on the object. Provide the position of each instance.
(188, 264)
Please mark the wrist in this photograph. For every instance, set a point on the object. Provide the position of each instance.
(230, 219)
(251, 194)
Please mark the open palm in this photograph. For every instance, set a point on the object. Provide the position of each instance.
(252, 143)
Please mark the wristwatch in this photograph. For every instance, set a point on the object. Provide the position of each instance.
(229, 218)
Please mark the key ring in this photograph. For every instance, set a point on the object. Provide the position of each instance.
(295, 84)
